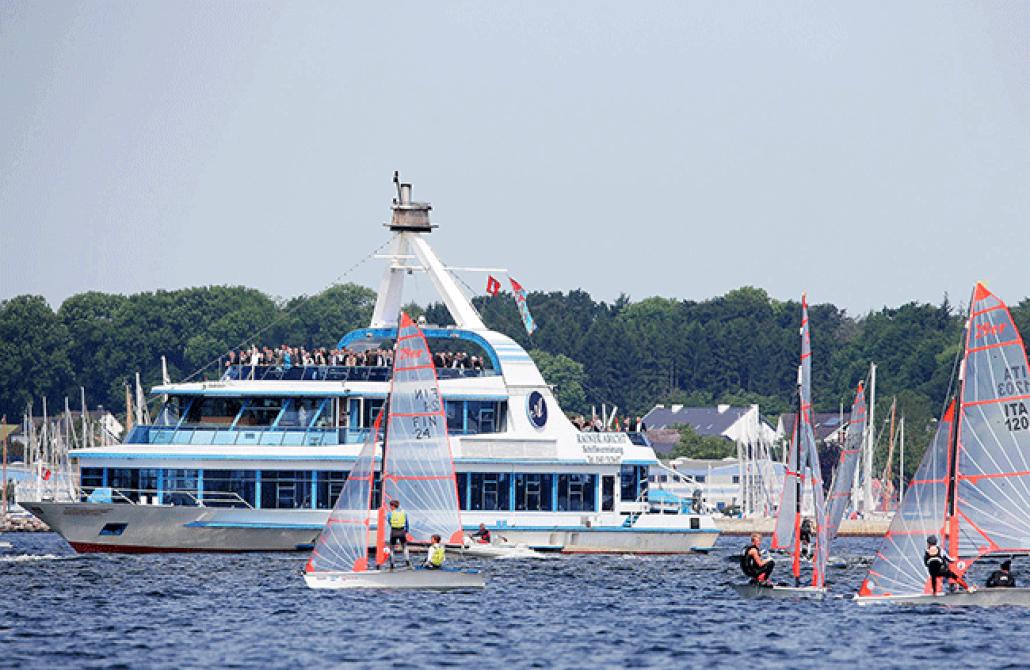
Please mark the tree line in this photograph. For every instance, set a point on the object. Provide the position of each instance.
(739, 348)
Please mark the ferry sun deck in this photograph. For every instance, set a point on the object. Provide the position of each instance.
(255, 460)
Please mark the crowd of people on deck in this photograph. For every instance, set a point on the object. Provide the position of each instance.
(287, 357)
(597, 424)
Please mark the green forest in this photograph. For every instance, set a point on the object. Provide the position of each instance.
(739, 348)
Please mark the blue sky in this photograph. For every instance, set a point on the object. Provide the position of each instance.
(869, 153)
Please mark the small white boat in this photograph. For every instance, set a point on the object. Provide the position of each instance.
(401, 578)
(498, 550)
(753, 591)
(417, 467)
(5, 545)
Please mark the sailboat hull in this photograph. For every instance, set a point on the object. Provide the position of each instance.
(1018, 597)
(406, 578)
(753, 591)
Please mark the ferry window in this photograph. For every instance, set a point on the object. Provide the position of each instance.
(124, 481)
(300, 412)
(149, 479)
(607, 493)
(576, 492)
(482, 417)
(736, 479)
(90, 478)
(371, 411)
(700, 478)
(260, 412)
(229, 488)
(634, 479)
(214, 411)
(285, 489)
(533, 492)
(455, 416)
(463, 498)
(329, 484)
(490, 491)
(170, 411)
(180, 487)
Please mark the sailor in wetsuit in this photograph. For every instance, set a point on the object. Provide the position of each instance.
(752, 563)
(482, 536)
(805, 536)
(938, 564)
(1002, 577)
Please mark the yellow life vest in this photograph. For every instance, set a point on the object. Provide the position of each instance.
(398, 519)
(436, 555)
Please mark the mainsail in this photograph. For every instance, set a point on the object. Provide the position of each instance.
(840, 496)
(992, 471)
(803, 454)
(898, 566)
(418, 469)
(973, 485)
(343, 544)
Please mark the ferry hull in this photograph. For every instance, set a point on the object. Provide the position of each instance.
(1018, 597)
(93, 527)
(167, 528)
(443, 579)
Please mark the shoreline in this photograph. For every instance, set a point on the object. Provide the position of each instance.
(848, 528)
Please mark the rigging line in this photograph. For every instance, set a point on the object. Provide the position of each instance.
(303, 300)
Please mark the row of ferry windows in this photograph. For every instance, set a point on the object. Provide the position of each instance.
(463, 416)
(306, 489)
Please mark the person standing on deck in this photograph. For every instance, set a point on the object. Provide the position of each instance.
(1002, 577)
(752, 563)
(397, 520)
(938, 564)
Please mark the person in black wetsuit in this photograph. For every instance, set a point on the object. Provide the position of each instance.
(938, 564)
(1002, 577)
(752, 563)
(805, 535)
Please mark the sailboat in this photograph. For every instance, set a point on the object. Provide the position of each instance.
(843, 477)
(417, 469)
(972, 488)
(802, 468)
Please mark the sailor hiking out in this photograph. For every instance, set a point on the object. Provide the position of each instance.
(754, 565)
(1002, 577)
(938, 564)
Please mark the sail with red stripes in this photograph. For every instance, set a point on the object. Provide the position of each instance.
(803, 472)
(898, 568)
(844, 477)
(992, 506)
(418, 468)
(342, 545)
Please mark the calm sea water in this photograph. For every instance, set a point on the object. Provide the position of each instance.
(179, 610)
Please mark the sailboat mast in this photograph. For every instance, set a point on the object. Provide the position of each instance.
(951, 499)
(799, 488)
(870, 445)
(901, 461)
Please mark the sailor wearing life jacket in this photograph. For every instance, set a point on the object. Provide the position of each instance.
(938, 564)
(437, 554)
(752, 563)
(1002, 577)
(397, 520)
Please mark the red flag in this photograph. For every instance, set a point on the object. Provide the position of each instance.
(492, 285)
(46, 474)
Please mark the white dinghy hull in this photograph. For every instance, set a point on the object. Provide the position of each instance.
(405, 578)
(1018, 597)
(753, 591)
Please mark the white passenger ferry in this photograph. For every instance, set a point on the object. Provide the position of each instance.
(255, 460)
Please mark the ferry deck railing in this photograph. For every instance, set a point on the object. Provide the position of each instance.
(151, 496)
(333, 373)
